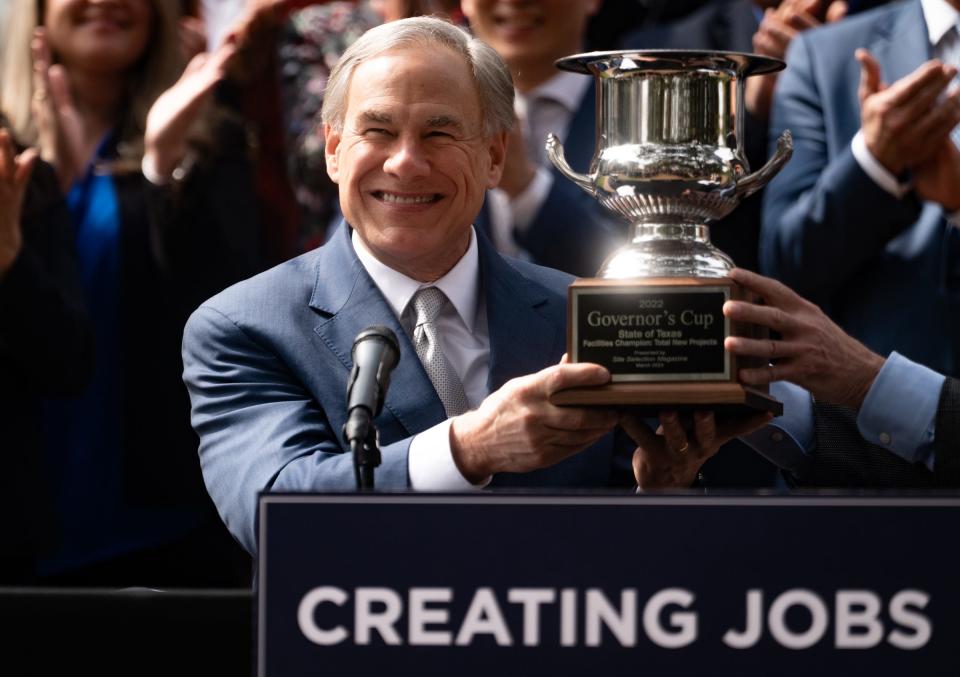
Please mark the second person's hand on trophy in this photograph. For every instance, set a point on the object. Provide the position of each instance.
(812, 351)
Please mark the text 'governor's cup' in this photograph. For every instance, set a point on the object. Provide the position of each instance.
(669, 159)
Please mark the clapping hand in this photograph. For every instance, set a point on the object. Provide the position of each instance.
(60, 129)
(777, 30)
(938, 179)
(14, 173)
(175, 111)
(905, 124)
(193, 37)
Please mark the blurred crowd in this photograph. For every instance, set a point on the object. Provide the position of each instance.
(154, 152)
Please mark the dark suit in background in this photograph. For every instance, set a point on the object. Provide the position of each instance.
(571, 231)
(725, 26)
(122, 457)
(46, 350)
(843, 459)
(886, 270)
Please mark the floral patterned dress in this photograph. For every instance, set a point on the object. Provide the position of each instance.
(309, 47)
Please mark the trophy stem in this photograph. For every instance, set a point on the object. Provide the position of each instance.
(674, 249)
(646, 231)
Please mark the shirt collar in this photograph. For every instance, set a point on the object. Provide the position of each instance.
(565, 87)
(461, 283)
(940, 16)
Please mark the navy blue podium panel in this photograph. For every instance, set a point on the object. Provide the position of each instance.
(412, 584)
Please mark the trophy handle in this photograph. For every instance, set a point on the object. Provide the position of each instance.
(750, 184)
(555, 153)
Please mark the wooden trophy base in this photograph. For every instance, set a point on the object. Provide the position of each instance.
(652, 398)
(662, 340)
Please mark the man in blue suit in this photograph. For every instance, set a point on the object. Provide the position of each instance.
(416, 118)
(535, 212)
(862, 220)
(846, 426)
(760, 26)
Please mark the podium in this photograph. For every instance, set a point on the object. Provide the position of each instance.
(500, 584)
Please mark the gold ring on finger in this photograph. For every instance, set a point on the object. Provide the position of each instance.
(683, 449)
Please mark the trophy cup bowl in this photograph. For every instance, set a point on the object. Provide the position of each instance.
(669, 159)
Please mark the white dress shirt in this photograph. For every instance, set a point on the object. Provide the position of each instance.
(544, 109)
(465, 341)
(940, 16)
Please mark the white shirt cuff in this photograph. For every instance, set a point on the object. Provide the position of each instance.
(149, 168)
(876, 171)
(430, 462)
(905, 429)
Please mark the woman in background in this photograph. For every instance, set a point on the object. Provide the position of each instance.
(78, 78)
(267, 80)
(46, 345)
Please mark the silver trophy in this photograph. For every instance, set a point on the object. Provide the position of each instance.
(670, 153)
(669, 159)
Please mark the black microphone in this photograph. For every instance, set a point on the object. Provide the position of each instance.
(375, 354)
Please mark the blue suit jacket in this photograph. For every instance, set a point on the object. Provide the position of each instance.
(571, 231)
(884, 269)
(267, 362)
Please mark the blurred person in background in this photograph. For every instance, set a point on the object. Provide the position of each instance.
(536, 213)
(247, 114)
(78, 78)
(846, 424)
(46, 345)
(764, 27)
(863, 220)
(309, 46)
(193, 30)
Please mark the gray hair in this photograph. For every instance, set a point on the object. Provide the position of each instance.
(490, 74)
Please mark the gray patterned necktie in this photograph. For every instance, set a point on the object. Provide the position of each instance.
(427, 304)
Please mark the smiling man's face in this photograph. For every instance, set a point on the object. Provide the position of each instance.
(412, 160)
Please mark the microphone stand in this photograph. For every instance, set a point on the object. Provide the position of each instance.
(375, 353)
(366, 457)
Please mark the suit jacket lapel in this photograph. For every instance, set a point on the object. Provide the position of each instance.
(902, 45)
(734, 25)
(349, 301)
(581, 141)
(520, 334)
